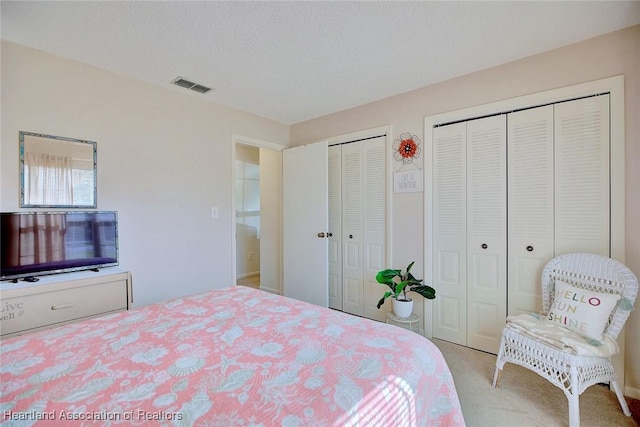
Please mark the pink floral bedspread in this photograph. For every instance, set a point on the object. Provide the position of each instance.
(233, 357)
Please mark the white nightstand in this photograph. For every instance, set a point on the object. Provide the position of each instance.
(404, 322)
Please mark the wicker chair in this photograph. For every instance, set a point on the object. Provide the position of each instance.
(573, 373)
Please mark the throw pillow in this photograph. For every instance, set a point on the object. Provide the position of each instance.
(584, 312)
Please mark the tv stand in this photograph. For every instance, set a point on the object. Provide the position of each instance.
(62, 298)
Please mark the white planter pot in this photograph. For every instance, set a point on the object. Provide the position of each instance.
(402, 308)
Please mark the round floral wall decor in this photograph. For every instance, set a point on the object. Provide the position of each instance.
(406, 148)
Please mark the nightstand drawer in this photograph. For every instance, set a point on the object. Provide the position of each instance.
(25, 313)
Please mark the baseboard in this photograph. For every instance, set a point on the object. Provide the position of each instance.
(247, 275)
(270, 290)
(632, 392)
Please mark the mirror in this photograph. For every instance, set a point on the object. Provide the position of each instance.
(57, 172)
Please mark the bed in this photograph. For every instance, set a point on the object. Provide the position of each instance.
(229, 357)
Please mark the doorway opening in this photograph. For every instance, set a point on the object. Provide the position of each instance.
(257, 219)
(247, 208)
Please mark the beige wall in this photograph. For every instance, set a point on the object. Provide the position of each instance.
(164, 159)
(613, 54)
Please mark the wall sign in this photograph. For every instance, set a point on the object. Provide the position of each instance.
(408, 181)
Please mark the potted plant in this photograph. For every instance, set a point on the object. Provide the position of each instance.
(401, 284)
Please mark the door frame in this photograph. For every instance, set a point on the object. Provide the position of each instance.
(612, 85)
(258, 143)
(364, 134)
(368, 133)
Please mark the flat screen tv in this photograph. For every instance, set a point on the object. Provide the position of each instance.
(39, 243)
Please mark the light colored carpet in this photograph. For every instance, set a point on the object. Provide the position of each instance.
(251, 281)
(523, 398)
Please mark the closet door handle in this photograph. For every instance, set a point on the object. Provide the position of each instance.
(329, 234)
(530, 248)
(484, 246)
(321, 234)
(351, 236)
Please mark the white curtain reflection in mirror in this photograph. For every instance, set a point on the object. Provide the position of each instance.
(57, 171)
(48, 179)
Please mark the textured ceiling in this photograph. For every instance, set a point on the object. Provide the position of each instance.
(293, 61)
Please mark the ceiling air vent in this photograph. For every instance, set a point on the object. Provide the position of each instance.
(182, 82)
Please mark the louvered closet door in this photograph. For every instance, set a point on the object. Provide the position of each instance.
(582, 176)
(335, 228)
(450, 233)
(486, 232)
(530, 205)
(352, 227)
(374, 227)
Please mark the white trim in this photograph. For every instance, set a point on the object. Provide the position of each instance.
(632, 392)
(246, 140)
(361, 134)
(617, 128)
(270, 290)
(566, 93)
(613, 85)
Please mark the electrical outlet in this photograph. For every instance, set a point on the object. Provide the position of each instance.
(215, 212)
(249, 255)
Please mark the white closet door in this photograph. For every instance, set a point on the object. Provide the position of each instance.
(304, 215)
(450, 233)
(335, 228)
(374, 227)
(582, 176)
(530, 205)
(486, 232)
(352, 235)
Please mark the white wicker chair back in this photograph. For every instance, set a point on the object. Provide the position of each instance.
(594, 273)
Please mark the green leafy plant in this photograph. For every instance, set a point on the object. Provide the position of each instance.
(401, 284)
